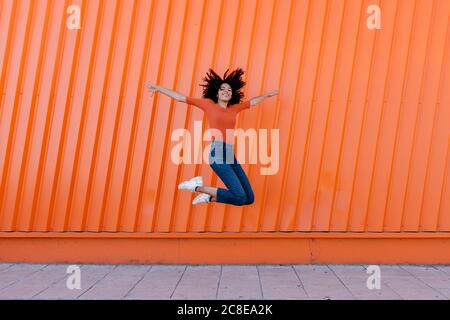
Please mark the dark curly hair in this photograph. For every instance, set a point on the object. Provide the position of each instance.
(213, 82)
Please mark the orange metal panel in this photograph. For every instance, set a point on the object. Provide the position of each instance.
(363, 114)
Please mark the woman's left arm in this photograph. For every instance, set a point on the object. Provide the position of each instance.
(259, 99)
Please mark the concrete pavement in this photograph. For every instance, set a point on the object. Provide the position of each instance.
(50, 281)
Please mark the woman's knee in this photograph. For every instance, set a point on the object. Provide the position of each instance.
(240, 199)
(243, 198)
(250, 198)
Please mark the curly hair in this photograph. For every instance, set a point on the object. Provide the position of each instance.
(213, 82)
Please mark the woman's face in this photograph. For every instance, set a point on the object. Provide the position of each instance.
(225, 93)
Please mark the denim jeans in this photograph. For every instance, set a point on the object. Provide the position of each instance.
(224, 163)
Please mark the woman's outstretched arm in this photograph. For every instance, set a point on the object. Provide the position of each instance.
(170, 93)
(259, 99)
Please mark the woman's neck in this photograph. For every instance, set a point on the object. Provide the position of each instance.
(222, 104)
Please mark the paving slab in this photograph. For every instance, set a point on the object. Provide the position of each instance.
(117, 283)
(90, 276)
(280, 282)
(17, 274)
(321, 282)
(240, 282)
(198, 282)
(159, 283)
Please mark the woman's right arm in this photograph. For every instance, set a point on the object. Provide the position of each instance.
(173, 94)
(198, 102)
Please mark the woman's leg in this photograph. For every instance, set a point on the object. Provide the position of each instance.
(240, 173)
(208, 190)
(235, 194)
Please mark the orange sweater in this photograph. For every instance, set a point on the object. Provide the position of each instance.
(218, 117)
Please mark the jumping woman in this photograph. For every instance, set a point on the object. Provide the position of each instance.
(222, 101)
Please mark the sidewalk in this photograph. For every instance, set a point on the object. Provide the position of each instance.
(42, 281)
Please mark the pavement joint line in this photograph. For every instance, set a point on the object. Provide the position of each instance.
(218, 283)
(364, 268)
(342, 282)
(387, 285)
(29, 275)
(260, 284)
(95, 283)
(54, 282)
(434, 289)
(65, 276)
(10, 266)
(301, 282)
(178, 282)
(135, 285)
(446, 273)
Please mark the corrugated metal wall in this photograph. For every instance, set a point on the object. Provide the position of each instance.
(363, 114)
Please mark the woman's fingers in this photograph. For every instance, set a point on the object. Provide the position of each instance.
(151, 88)
(273, 93)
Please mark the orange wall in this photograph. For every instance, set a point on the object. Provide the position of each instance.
(363, 114)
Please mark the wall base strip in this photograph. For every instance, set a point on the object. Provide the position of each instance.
(295, 248)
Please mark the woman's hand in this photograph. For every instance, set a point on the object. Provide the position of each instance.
(151, 88)
(259, 99)
(273, 93)
(170, 93)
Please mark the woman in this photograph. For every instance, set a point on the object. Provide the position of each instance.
(221, 102)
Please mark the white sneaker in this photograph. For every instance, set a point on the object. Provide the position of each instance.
(191, 184)
(202, 197)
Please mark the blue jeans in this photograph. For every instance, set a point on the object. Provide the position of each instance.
(224, 163)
